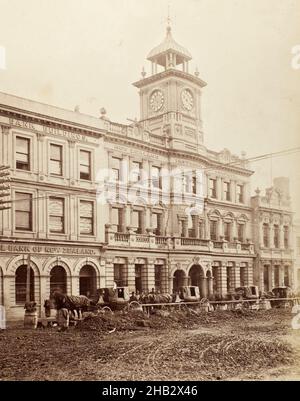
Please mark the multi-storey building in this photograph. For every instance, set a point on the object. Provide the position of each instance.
(297, 256)
(272, 230)
(145, 205)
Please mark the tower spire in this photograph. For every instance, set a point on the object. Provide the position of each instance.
(169, 18)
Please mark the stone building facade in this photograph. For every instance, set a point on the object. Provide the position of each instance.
(273, 236)
(296, 239)
(144, 205)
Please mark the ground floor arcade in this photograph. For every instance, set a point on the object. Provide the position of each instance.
(82, 270)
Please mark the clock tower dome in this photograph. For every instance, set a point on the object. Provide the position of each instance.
(170, 98)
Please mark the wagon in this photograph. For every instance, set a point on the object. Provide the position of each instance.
(189, 294)
(114, 298)
(282, 297)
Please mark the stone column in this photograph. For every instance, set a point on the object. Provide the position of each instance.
(281, 236)
(281, 275)
(210, 286)
(223, 279)
(237, 275)
(219, 188)
(271, 277)
(5, 152)
(170, 278)
(109, 273)
(261, 284)
(196, 227)
(250, 274)
(75, 285)
(164, 278)
(73, 216)
(271, 236)
(131, 275)
(44, 294)
(261, 233)
(233, 191)
(73, 167)
(203, 287)
(150, 274)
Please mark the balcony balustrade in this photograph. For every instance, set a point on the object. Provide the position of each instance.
(151, 241)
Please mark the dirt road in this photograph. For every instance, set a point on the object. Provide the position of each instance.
(255, 346)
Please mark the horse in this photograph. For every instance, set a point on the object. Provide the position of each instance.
(72, 303)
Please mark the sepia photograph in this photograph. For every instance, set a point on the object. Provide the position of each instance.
(149, 193)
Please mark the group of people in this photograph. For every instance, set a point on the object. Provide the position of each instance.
(137, 295)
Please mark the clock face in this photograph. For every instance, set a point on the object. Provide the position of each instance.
(156, 100)
(187, 99)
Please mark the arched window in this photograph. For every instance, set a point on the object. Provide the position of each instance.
(58, 279)
(21, 281)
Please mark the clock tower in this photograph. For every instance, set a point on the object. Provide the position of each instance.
(170, 98)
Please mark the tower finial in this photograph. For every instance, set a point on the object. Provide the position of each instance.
(169, 20)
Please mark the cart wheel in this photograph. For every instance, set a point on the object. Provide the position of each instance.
(204, 301)
(246, 305)
(134, 305)
(106, 309)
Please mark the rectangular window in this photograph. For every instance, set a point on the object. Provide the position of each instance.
(286, 239)
(266, 235)
(213, 230)
(189, 181)
(56, 215)
(119, 271)
(227, 231)
(227, 195)
(136, 172)
(266, 277)
(156, 177)
(85, 165)
(23, 211)
(240, 193)
(117, 218)
(276, 236)
(201, 229)
(22, 153)
(86, 218)
(186, 183)
(137, 220)
(21, 277)
(56, 160)
(213, 188)
(241, 232)
(194, 185)
(192, 223)
(157, 223)
(116, 169)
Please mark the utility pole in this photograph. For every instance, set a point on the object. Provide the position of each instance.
(28, 278)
